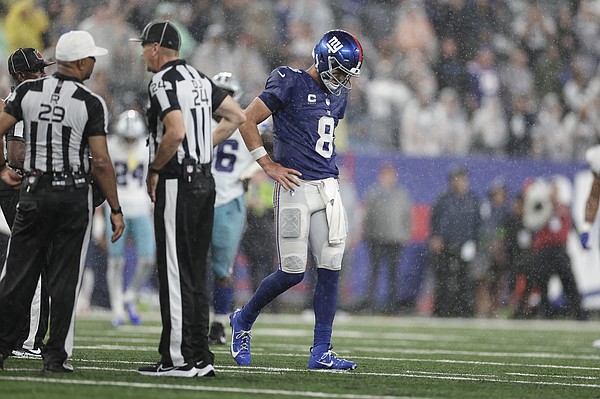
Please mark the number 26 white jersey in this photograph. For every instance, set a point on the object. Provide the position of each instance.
(230, 159)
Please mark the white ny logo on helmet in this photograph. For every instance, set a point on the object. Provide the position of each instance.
(334, 45)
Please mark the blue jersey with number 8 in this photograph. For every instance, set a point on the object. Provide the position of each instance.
(304, 120)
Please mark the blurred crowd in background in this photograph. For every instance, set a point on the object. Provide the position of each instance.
(500, 77)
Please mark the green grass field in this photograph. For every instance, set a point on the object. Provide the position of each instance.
(398, 357)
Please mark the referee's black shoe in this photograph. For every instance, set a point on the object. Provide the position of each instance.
(204, 369)
(161, 370)
(58, 368)
(1, 361)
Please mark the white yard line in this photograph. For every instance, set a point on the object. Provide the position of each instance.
(351, 320)
(258, 349)
(280, 370)
(480, 354)
(271, 370)
(471, 362)
(578, 377)
(276, 392)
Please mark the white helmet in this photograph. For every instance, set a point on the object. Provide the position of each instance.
(130, 125)
(228, 82)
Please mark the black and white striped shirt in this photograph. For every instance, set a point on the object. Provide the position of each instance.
(180, 86)
(59, 114)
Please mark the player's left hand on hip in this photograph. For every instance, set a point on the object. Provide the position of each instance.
(292, 181)
(282, 175)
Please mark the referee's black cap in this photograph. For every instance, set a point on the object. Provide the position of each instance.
(26, 60)
(162, 32)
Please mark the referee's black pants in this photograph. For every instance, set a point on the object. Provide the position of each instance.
(183, 220)
(9, 198)
(52, 225)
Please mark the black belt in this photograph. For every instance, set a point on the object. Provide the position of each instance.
(58, 181)
(51, 173)
(174, 171)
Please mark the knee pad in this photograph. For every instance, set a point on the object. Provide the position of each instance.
(293, 257)
(293, 264)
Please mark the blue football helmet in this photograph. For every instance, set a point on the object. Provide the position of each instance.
(338, 49)
(229, 83)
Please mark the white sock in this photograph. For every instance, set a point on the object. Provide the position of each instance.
(114, 282)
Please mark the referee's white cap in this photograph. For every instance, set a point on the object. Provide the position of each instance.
(77, 45)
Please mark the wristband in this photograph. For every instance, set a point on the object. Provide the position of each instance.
(116, 211)
(152, 169)
(258, 153)
(3, 165)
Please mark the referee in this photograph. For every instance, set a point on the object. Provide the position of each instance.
(24, 64)
(179, 182)
(64, 124)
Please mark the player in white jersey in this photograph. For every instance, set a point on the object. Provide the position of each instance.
(232, 163)
(129, 153)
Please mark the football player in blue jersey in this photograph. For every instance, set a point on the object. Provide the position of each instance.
(306, 106)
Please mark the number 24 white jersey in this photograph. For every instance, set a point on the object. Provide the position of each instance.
(131, 164)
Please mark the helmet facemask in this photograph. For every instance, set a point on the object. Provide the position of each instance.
(333, 84)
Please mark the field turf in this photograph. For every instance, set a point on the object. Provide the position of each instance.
(398, 357)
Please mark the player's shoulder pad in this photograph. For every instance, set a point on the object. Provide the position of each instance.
(592, 157)
(284, 72)
(280, 80)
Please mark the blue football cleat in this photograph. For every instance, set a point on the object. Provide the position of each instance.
(328, 360)
(240, 340)
(132, 312)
